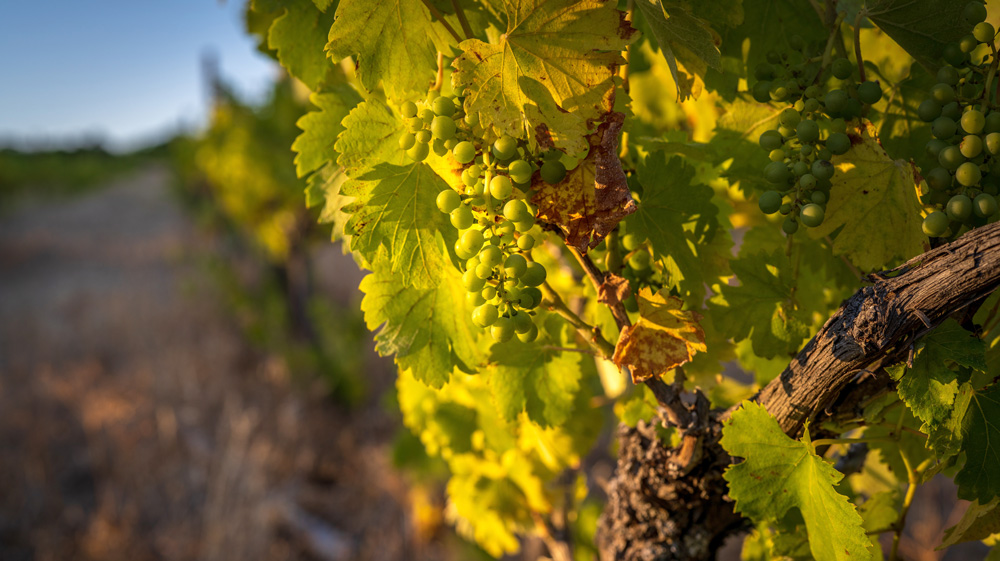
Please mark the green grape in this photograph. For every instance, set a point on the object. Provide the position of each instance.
(835, 101)
(818, 197)
(968, 44)
(484, 271)
(475, 299)
(490, 255)
(968, 174)
(800, 168)
(789, 226)
(777, 155)
(974, 12)
(639, 260)
(838, 143)
(408, 109)
(448, 201)
(763, 71)
(529, 336)
(520, 171)
(869, 93)
(811, 215)
(443, 127)
(943, 93)
(552, 172)
(438, 147)
(516, 211)
(789, 118)
(443, 107)
(502, 330)
(973, 121)
(822, 169)
(472, 240)
(938, 179)
(534, 275)
(769, 202)
(838, 125)
(786, 133)
(853, 110)
(485, 315)
(971, 146)
(631, 241)
(451, 143)
(959, 207)
(761, 92)
(526, 242)
(461, 253)
(464, 152)
(489, 292)
(810, 106)
(426, 115)
(461, 217)
(471, 282)
(797, 42)
(785, 209)
(813, 92)
(504, 148)
(984, 205)
(468, 179)
(531, 297)
(950, 158)
(993, 143)
(779, 93)
(423, 136)
(842, 68)
(515, 265)
(936, 224)
(807, 181)
(777, 173)
(407, 140)
(948, 75)
(944, 128)
(500, 187)
(929, 110)
(524, 225)
(472, 119)
(934, 147)
(414, 124)
(418, 152)
(522, 323)
(952, 110)
(953, 55)
(806, 150)
(630, 304)
(807, 131)
(992, 122)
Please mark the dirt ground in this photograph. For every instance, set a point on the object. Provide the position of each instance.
(136, 423)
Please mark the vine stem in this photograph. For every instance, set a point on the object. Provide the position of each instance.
(830, 441)
(989, 80)
(629, 11)
(589, 332)
(834, 32)
(911, 489)
(597, 277)
(462, 19)
(857, 44)
(439, 80)
(437, 15)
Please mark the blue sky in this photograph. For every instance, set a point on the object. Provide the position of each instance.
(125, 70)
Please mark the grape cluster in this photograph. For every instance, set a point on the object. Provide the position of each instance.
(810, 131)
(491, 212)
(965, 177)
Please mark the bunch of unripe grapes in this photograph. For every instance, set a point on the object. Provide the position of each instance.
(810, 132)
(491, 212)
(966, 129)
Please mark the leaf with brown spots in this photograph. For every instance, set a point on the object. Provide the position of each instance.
(664, 338)
(613, 290)
(594, 197)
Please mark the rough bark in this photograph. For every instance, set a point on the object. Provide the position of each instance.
(671, 503)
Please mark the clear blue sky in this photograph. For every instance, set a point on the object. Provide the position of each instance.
(124, 70)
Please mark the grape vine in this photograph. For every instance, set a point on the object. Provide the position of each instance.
(569, 208)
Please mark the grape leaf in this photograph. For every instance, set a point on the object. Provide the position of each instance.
(779, 474)
(394, 208)
(664, 338)
(945, 437)
(553, 68)
(874, 204)
(370, 137)
(670, 200)
(761, 307)
(767, 26)
(299, 37)
(396, 42)
(324, 189)
(323, 4)
(923, 29)
(594, 197)
(979, 522)
(320, 129)
(736, 136)
(979, 479)
(423, 327)
(688, 44)
(534, 378)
